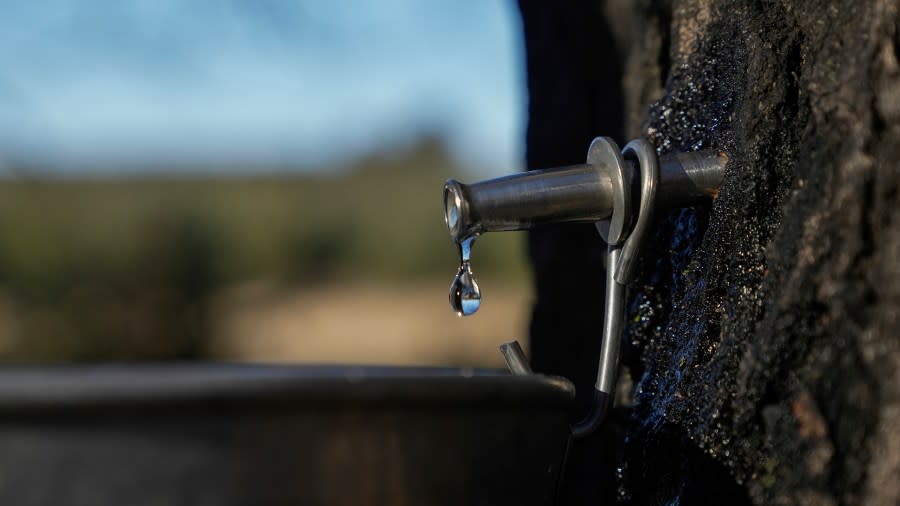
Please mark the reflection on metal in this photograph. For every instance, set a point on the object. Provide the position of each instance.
(605, 153)
(515, 358)
(601, 191)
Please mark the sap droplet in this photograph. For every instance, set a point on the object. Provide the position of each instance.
(465, 249)
(465, 295)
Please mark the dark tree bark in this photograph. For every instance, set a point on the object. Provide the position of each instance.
(570, 101)
(764, 338)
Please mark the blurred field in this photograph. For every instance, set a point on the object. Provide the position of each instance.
(351, 266)
(405, 323)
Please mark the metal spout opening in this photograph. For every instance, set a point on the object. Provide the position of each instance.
(578, 193)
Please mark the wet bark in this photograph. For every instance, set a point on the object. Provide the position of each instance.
(763, 327)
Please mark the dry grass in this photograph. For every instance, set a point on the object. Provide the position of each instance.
(367, 323)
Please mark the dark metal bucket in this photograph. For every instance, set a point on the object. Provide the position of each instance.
(216, 434)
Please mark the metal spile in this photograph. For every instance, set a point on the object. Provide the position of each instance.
(616, 190)
(577, 193)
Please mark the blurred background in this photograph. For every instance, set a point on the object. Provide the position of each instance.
(253, 180)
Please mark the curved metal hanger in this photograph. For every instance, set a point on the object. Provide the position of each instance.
(622, 254)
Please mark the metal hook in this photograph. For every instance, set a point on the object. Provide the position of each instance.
(649, 166)
(515, 358)
(621, 262)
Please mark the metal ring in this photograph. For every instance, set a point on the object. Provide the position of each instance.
(604, 153)
(649, 168)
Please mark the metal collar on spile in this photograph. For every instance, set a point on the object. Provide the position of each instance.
(601, 191)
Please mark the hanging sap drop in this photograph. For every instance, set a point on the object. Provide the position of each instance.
(465, 295)
(465, 249)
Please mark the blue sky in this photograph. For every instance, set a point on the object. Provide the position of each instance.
(101, 85)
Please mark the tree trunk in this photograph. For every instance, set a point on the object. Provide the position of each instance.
(763, 327)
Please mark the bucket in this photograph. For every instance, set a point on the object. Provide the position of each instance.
(227, 434)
